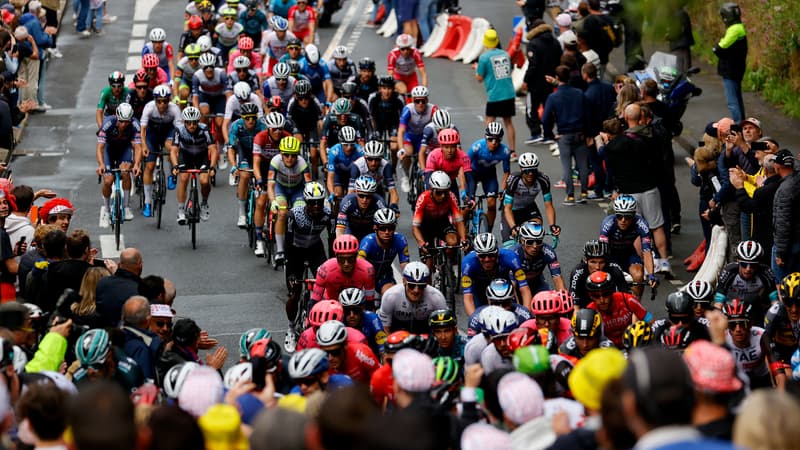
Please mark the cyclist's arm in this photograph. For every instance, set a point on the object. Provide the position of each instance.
(558, 282)
(469, 304)
(508, 211)
(173, 151)
(213, 153)
(99, 118)
(417, 231)
(145, 149)
(257, 166)
(99, 154)
(271, 182)
(401, 131)
(550, 211)
(462, 181)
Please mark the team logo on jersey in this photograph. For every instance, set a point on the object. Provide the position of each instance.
(520, 275)
(466, 282)
(380, 337)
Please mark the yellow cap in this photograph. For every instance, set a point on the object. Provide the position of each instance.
(590, 376)
(490, 39)
(221, 428)
(293, 402)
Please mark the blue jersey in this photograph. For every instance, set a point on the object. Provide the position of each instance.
(353, 220)
(335, 381)
(534, 267)
(474, 280)
(620, 242)
(113, 137)
(382, 258)
(372, 327)
(241, 138)
(415, 122)
(474, 323)
(340, 162)
(316, 74)
(483, 160)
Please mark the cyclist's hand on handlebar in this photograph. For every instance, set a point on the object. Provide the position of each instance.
(175, 170)
(465, 245)
(652, 280)
(514, 230)
(261, 184)
(135, 170)
(555, 229)
(100, 170)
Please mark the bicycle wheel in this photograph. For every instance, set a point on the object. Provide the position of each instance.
(195, 208)
(483, 223)
(450, 289)
(251, 227)
(270, 240)
(158, 195)
(118, 216)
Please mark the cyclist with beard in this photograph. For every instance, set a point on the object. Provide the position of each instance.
(500, 292)
(748, 280)
(408, 306)
(486, 263)
(749, 344)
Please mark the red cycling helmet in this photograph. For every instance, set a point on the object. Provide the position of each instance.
(195, 23)
(600, 282)
(522, 337)
(324, 311)
(150, 61)
(737, 309)
(398, 341)
(345, 245)
(567, 302)
(546, 302)
(141, 76)
(246, 43)
(676, 338)
(275, 102)
(449, 136)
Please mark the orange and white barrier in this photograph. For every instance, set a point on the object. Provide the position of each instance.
(437, 35)
(715, 256)
(474, 45)
(458, 28)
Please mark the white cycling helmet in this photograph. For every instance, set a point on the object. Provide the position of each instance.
(313, 191)
(373, 149)
(439, 180)
(404, 41)
(158, 35)
(279, 23)
(485, 243)
(365, 183)
(241, 62)
(531, 230)
(749, 251)
(500, 322)
(237, 373)
(528, 161)
(495, 129)
(307, 363)
(312, 54)
(281, 70)
(124, 112)
(207, 59)
(176, 376)
(331, 332)
(625, 204)
(340, 52)
(499, 290)
(419, 92)
(162, 91)
(242, 91)
(441, 119)
(385, 216)
(347, 135)
(191, 114)
(417, 272)
(205, 44)
(351, 297)
(700, 290)
(275, 120)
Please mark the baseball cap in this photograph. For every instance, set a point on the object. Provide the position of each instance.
(482, 436)
(752, 121)
(569, 37)
(413, 371)
(160, 310)
(520, 398)
(590, 376)
(490, 38)
(564, 20)
(712, 367)
(785, 158)
(722, 126)
(202, 389)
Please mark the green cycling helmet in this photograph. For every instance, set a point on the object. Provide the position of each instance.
(531, 360)
(248, 338)
(447, 369)
(93, 347)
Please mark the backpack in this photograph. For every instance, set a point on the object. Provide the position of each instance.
(612, 28)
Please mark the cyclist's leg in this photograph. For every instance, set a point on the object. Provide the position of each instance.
(110, 162)
(218, 111)
(341, 179)
(451, 239)
(244, 177)
(153, 145)
(294, 281)
(126, 163)
(636, 269)
(383, 283)
(490, 188)
(282, 199)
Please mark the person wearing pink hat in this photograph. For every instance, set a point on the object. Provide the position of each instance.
(522, 402)
(413, 375)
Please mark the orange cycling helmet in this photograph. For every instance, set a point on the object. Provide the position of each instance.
(449, 136)
(325, 310)
(195, 23)
(150, 61)
(345, 244)
(246, 43)
(522, 337)
(546, 302)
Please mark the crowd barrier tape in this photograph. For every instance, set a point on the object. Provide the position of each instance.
(518, 76)
(389, 26)
(474, 45)
(458, 27)
(715, 256)
(437, 35)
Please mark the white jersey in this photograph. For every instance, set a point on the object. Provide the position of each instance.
(156, 121)
(474, 348)
(396, 308)
(271, 89)
(233, 106)
(492, 360)
(274, 47)
(751, 359)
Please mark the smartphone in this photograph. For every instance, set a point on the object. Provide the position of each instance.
(759, 146)
(701, 143)
(735, 128)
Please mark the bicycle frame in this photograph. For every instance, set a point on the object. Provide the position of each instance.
(116, 202)
(159, 188)
(192, 206)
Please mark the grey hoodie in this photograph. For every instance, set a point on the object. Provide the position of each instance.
(18, 226)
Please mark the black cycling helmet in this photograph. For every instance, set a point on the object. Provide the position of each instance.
(586, 323)
(730, 13)
(294, 67)
(387, 82)
(441, 318)
(595, 249)
(679, 303)
(349, 89)
(249, 109)
(294, 42)
(366, 63)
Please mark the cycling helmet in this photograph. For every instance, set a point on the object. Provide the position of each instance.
(313, 191)
(195, 23)
(302, 87)
(404, 41)
(417, 272)
(20, 359)
(228, 11)
(749, 251)
(499, 290)
(323, 311)
(208, 60)
(387, 82)
(449, 136)
(439, 180)
(190, 114)
(495, 129)
(281, 71)
(267, 349)
(246, 43)
(586, 323)
(566, 300)
(34, 311)
(141, 76)
(502, 322)
(600, 282)
(676, 338)
(345, 244)
(116, 77)
(737, 309)
(162, 91)
(349, 89)
(205, 43)
(347, 135)
(124, 112)
(176, 376)
(312, 54)
(522, 337)
(789, 289)
(531, 230)
(252, 4)
(638, 334)
(441, 318)
(485, 243)
(247, 339)
(274, 102)
(193, 51)
(242, 91)
(275, 120)
(679, 303)
(419, 92)
(205, 6)
(92, 347)
(625, 204)
(366, 63)
(331, 332)
(340, 52)
(341, 106)
(441, 119)
(730, 13)
(397, 341)
(351, 297)
(595, 249)
(373, 149)
(248, 109)
(365, 183)
(307, 363)
(294, 67)
(545, 303)
(158, 35)
(385, 216)
(240, 372)
(150, 61)
(447, 369)
(279, 23)
(528, 161)
(241, 62)
(700, 291)
(289, 145)
(294, 42)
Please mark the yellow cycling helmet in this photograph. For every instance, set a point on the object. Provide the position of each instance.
(638, 334)
(289, 146)
(789, 289)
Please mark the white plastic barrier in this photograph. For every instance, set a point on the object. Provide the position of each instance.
(715, 256)
(474, 45)
(389, 26)
(437, 35)
(518, 76)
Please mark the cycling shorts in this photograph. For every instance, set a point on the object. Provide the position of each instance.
(288, 197)
(114, 156)
(414, 140)
(341, 178)
(409, 80)
(625, 260)
(521, 215)
(295, 257)
(435, 231)
(216, 103)
(155, 143)
(244, 155)
(384, 280)
(489, 183)
(193, 161)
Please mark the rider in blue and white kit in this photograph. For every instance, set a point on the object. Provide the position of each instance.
(486, 263)
(499, 293)
(367, 322)
(382, 247)
(535, 255)
(484, 155)
(373, 164)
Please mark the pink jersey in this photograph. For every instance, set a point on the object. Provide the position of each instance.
(308, 339)
(437, 161)
(563, 332)
(301, 20)
(331, 281)
(404, 65)
(161, 78)
(255, 61)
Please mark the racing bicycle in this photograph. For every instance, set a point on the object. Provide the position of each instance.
(304, 286)
(116, 202)
(192, 207)
(444, 278)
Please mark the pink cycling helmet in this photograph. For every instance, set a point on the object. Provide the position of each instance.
(345, 244)
(325, 310)
(546, 302)
(449, 136)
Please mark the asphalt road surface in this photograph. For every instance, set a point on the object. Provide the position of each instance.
(221, 284)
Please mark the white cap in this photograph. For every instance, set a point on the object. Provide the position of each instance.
(569, 38)
(564, 20)
(159, 310)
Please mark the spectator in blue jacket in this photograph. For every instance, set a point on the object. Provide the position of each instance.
(141, 344)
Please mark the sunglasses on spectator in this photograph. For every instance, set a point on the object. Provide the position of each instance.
(163, 323)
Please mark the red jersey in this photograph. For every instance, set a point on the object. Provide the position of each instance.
(427, 210)
(562, 333)
(331, 281)
(437, 161)
(359, 363)
(308, 339)
(620, 314)
(404, 65)
(301, 20)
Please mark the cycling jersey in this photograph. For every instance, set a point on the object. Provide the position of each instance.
(215, 86)
(577, 281)
(316, 74)
(473, 349)
(353, 220)
(437, 161)
(457, 352)
(251, 79)
(474, 323)
(340, 76)
(117, 139)
(270, 89)
(429, 211)
(475, 280)
(303, 232)
(430, 136)
(266, 148)
(254, 24)
(275, 47)
(161, 124)
(255, 61)
(384, 175)
(166, 55)
(381, 258)
(620, 314)
(194, 144)
(414, 121)
(398, 313)
(758, 291)
(698, 329)
(240, 138)
(570, 347)
(187, 71)
(372, 328)
(289, 177)
(331, 127)
(233, 107)
(364, 89)
(492, 360)
(301, 20)
(331, 281)
(784, 334)
(534, 267)
(522, 197)
(562, 332)
(138, 103)
(385, 114)
(127, 374)
(404, 65)
(339, 161)
(752, 357)
(620, 242)
(359, 363)
(188, 38)
(228, 37)
(305, 119)
(308, 338)
(483, 161)
(160, 78)
(108, 102)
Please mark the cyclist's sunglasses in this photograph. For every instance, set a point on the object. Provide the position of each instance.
(680, 319)
(624, 216)
(117, 85)
(357, 311)
(733, 324)
(438, 192)
(208, 67)
(532, 242)
(487, 256)
(385, 228)
(364, 196)
(162, 101)
(529, 171)
(334, 351)
(306, 381)
(315, 203)
(492, 139)
(143, 86)
(748, 264)
(416, 286)
(190, 122)
(249, 117)
(346, 258)
(420, 101)
(303, 97)
(243, 69)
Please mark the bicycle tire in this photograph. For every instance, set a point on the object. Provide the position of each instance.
(158, 194)
(118, 218)
(483, 223)
(195, 214)
(251, 227)
(450, 290)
